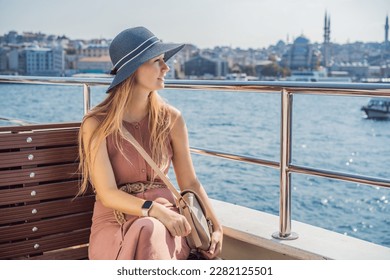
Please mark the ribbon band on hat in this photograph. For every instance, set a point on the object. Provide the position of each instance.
(134, 53)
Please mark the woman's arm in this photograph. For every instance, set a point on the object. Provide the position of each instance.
(103, 180)
(186, 177)
(102, 175)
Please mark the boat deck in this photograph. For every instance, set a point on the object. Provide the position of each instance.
(248, 235)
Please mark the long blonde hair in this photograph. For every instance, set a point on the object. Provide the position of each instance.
(110, 114)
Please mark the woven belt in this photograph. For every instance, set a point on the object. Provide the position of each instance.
(139, 187)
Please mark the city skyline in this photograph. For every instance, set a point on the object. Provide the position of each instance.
(245, 23)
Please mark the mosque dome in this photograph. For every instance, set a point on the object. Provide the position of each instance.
(302, 40)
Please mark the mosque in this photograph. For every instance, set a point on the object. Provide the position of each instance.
(303, 56)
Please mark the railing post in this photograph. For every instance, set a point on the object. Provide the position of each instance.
(87, 98)
(285, 175)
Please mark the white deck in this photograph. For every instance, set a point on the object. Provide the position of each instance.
(248, 235)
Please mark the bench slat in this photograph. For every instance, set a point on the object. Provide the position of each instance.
(38, 139)
(35, 157)
(45, 227)
(42, 126)
(42, 210)
(38, 192)
(38, 174)
(80, 253)
(44, 244)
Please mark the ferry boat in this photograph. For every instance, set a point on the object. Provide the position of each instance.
(317, 76)
(40, 219)
(237, 76)
(377, 108)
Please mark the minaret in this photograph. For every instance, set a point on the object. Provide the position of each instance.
(326, 44)
(386, 50)
(325, 26)
(387, 31)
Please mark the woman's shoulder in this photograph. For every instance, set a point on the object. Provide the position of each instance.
(90, 123)
(174, 113)
(177, 120)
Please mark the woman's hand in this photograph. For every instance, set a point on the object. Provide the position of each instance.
(216, 245)
(176, 224)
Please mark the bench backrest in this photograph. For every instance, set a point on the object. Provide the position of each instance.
(40, 218)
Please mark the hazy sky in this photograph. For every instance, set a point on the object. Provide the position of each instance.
(205, 23)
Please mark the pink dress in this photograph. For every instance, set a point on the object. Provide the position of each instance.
(139, 238)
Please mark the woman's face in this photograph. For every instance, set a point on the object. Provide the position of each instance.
(151, 75)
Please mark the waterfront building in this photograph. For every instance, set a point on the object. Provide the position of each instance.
(95, 50)
(101, 64)
(266, 69)
(38, 61)
(92, 57)
(11, 37)
(173, 69)
(204, 67)
(13, 60)
(356, 70)
(3, 59)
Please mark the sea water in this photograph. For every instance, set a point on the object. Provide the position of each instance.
(329, 132)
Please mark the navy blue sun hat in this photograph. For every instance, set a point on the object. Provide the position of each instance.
(133, 47)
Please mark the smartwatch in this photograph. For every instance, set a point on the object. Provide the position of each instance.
(146, 207)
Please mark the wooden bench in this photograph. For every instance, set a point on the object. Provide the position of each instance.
(40, 218)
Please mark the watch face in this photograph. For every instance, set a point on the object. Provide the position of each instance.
(147, 204)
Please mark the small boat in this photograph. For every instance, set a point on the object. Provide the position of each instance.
(237, 77)
(377, 108)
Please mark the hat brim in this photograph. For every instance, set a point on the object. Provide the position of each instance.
(167, 49)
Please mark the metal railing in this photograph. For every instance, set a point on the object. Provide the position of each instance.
(287, 91)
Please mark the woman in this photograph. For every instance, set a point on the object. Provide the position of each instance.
(153, 228)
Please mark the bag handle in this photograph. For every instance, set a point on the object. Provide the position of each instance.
(152, 164)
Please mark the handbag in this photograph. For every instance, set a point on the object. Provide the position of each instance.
(189, 203)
